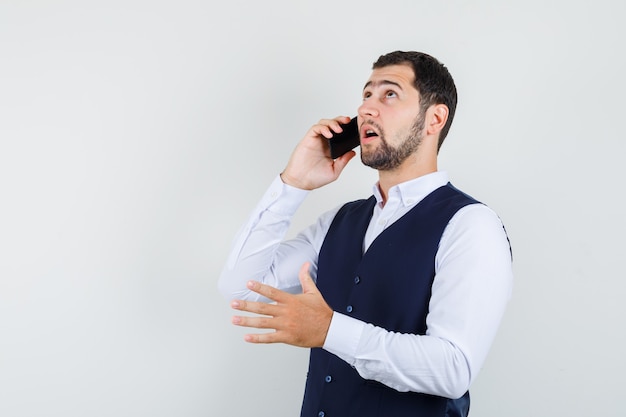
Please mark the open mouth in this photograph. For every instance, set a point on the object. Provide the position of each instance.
(369, 133)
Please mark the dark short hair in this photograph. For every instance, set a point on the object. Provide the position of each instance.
(432, 80)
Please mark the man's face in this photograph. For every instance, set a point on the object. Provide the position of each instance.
(390, 122)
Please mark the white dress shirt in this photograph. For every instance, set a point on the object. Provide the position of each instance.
(472, 285)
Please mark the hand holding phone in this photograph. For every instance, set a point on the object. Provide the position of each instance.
(345, 141)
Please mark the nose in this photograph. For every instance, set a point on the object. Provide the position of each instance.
(368, 109)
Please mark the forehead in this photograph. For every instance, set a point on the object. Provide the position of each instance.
(402, 75)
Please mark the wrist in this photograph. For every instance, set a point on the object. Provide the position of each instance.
(292, 182)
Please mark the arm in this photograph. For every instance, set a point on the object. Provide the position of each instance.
(259, 252)
(471, 289)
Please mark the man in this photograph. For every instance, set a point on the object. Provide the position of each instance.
(400, 295)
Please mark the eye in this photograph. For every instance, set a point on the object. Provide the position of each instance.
(366, 95)
(390, 94)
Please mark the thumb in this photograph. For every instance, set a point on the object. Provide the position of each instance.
(341, 162)
(306, 280)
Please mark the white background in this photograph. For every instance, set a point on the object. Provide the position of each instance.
(136, 136)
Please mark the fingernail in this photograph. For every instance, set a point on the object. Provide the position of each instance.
(234, 304)
(236, 320)
(251, 284)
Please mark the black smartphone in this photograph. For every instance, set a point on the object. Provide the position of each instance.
(345, 141)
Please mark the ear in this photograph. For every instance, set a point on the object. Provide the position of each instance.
(436, 118)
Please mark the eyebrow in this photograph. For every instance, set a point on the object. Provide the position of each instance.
(381, 82)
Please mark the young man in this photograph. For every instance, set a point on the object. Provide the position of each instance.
(399, 295)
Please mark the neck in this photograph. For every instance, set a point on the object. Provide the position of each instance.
(410, 169)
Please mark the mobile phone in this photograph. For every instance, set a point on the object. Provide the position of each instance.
(345, 141)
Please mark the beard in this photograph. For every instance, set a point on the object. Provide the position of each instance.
(387, 158)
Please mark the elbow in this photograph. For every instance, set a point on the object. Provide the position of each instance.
(459, 378)
(445, 372)
(457, 391)
(453, 389)
(223, 289)
(225, 286)
(231, 289)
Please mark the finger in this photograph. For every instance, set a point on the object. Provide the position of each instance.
(306, 280)
(343, 119)
(272, 337)
(328, 127)
(267, 291)
(254, 322)
(337, 123)
(341, 162)
(325, 130)
(254, 307)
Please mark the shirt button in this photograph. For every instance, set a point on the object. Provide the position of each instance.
(382, 222)
(349, 309)
(410, 201)
(357, 280)
(328, 378)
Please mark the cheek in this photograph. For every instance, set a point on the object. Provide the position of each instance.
(400, 134)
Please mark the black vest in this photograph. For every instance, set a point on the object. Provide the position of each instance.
(388, 286)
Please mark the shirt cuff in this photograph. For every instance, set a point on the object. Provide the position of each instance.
(283, 199)
(343, 337)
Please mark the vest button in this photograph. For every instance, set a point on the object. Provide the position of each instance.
(328, 378)
(321, 414)
(349, 309)
(357, 279)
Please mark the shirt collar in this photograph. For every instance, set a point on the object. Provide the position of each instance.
(413, 191)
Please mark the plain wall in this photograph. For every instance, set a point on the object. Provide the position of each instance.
(136, 136)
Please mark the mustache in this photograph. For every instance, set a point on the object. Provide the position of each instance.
(372, 123)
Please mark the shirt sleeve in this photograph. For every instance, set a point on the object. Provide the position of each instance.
(471, 288)
(259, 251)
